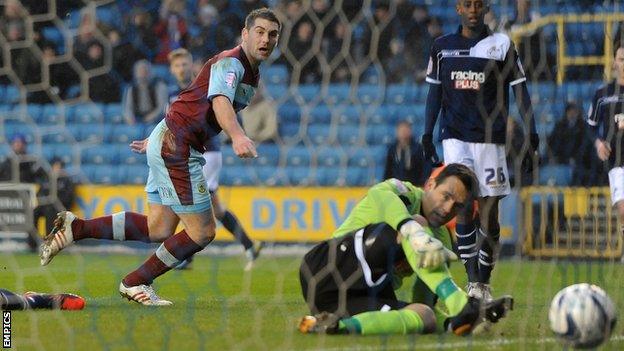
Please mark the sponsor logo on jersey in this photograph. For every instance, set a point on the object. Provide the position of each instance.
(467, 79)
(230, 79)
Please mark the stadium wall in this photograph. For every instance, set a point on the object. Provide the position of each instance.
(277, 214)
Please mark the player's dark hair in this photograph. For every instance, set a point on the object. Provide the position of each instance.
(264, 13)
(465, 175)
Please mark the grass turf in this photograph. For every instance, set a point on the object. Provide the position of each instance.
(217, 306)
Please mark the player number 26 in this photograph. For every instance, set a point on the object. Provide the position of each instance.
(491, 174)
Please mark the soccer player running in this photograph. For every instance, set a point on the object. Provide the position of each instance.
(176, 188)
(395, 231)
(469, 76)
(181, 66)
(606, 118)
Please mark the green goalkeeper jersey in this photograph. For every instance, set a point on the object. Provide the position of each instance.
(393, 202)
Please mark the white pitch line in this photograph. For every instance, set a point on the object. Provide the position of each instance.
(459, 344)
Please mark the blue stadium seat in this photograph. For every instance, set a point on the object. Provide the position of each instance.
(105, 154)
(93, 132)
(330, 176)
(268, 154)
(320, 134)
(103, 174)
(2, 93)
(361, 157)
(52, 114)
(338, 93)
(12, 94)
(400, 94)
(308, 92)
(289, 113)
(127, 157)
(35, 111)
(277, 91)
(238, 175)
(348, 135)
(357, 176)
(329, 157)
(53, 34)
(369, 94)
(134, 174)
(380, 134)
(113, 113)
(555, 175)
(270, 176)
(110, 15)
(230, 159)
(289, 131)
(320, 114)
(65, 151)
(126, 133)
(86, 113)
(298, 156)
(299, 175)
(275, 74)
(13, 127)
(55, 134)
(349, 114)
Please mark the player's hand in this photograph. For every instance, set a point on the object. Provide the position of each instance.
(139, 146)
(531, 154)
(430, 151)
(244, 147)
(431, 251)
(603, 148)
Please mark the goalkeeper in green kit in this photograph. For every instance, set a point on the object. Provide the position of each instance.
(397, 230)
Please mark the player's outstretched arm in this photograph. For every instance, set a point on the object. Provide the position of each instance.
(226, 116)
(523, 100)
(434, 104)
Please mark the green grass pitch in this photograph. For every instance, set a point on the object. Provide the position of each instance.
(220, 307)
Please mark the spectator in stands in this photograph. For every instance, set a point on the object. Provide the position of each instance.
(244, 7)
(145, 100)
(307, 70)
(181, 67)
(382, 17)
(61, 77)
(24, 62)
(171, 29)
(103, 87)
(570, 144)
(212, 38)
(335, 55)
(417, 43)
(20, 167)
(260, 118)
(532, 50)
(13, 17)
(57, 194)
(86, 38)
(405, 159)
(140, 34)
(124, 55)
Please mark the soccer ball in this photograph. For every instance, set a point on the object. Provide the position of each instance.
(582, 315)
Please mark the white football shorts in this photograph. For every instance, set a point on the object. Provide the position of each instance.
(212, 169)
(486, 160)
(616, 183)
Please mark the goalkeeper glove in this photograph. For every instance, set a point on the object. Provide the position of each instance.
(531, 154)
(430, 151)
(430, 250)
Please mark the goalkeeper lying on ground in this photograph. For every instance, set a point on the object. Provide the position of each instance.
(396, 230)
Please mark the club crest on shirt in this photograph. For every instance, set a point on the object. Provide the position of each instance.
(201, 188)
(230, 79)
(494, 52)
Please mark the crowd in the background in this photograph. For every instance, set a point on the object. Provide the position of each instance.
(319, 43)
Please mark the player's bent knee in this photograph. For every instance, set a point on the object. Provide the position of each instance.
(426, 314)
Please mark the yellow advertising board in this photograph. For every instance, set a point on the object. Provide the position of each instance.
(272, 214)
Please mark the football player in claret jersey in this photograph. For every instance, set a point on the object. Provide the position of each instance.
(181, 66)
(395, 231)
(469, 75)
(176, 187)
(606, 118)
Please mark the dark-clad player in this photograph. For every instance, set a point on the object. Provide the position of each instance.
(470, 73)
(33, 300)
(606, 117)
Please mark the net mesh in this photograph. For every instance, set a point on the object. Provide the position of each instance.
(344, 74)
